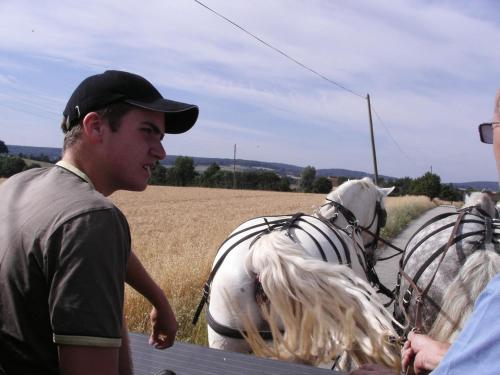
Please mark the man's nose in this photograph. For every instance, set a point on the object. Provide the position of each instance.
(158, 151)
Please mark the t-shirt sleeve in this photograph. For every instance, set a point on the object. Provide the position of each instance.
(477, 348)
(85, 266)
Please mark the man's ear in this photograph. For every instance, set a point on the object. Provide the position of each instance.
(93, 127)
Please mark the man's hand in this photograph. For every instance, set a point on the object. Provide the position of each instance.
(425, 353)
(164, 327)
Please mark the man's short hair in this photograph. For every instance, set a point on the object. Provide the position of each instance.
(112, 113)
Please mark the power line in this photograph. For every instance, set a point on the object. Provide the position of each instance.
(32, 113)
(390, 135)
(279, 51)
(307, 68)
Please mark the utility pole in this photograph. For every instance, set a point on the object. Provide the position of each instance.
(374, 153)
(234, 167)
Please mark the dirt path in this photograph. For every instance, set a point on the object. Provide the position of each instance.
(387, 270)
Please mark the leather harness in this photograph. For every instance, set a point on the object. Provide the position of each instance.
(463, 216)
(296, 221)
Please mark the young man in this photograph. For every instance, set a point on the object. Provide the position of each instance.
(65, 248)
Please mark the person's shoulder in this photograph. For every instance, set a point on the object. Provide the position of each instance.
(26, 175)
(58, 195)
(77, 194)
(494, 285)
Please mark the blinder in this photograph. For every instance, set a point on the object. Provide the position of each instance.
(382, 215)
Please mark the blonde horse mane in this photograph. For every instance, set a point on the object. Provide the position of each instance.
(464, 290)
(324, 308)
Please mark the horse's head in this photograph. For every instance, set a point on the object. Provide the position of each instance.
(359, 198)
(483, 200)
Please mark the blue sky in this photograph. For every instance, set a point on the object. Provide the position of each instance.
(430, 67)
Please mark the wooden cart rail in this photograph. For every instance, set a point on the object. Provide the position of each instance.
(189, 359)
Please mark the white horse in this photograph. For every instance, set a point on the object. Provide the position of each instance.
(453, 257)
(331, 235)
(474, 275)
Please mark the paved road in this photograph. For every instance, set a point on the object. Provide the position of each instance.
(387, 270)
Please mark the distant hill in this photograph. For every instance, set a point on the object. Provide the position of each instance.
(53, 153)
(280, 168)
(477, 185)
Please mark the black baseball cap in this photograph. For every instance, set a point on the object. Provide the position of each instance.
(98, 91)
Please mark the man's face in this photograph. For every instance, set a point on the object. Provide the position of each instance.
(133, 149)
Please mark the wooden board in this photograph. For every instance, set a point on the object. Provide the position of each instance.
(189, 359)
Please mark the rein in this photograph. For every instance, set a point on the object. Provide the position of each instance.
(368, 250)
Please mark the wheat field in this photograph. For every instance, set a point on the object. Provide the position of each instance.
(176, 232)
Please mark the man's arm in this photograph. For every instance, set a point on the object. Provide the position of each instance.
(125, 365)
(84, 360)
(162, 317)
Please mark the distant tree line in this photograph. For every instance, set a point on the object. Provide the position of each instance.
(39, 157)
(429, 184)
(183, 173)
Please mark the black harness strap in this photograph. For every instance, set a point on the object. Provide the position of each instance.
(224, 330)
(441, 252)
(438, 252)
(286, 224)
(404, 260)
(206, 287)
(337, 253)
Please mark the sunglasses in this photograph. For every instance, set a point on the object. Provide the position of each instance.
(486, 132)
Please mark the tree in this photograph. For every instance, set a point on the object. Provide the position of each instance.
(450, 193)
(158, 175)
(208, 178)
(182, 173)
(284, 184)
(322, 185)
(429, 184)
(341, 180)
(10, 165)
(3, 148)
(307, 179)
(402, 186)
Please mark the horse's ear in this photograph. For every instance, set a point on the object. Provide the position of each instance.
(386, 191)
(367, 179)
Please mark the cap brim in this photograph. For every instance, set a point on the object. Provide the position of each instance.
(179, 117)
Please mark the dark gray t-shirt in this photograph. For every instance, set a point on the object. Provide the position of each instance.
(63, 255)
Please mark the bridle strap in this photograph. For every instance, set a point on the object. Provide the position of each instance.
(348, 215)
(422, 294)
(448, 245)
